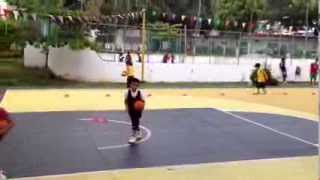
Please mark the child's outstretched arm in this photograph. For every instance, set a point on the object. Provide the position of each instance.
(142, 97)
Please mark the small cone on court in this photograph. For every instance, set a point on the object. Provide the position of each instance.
(100, 120)
(108, 95)
(66, 95)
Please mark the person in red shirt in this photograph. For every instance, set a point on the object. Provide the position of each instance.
(165, 58)
(314, 69)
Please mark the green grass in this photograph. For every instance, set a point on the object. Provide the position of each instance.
(14, 75)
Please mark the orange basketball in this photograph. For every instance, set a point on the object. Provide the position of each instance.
(3, 124)
(139, 105)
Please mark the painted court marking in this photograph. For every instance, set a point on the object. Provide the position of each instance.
(270, 129)
(146, 138)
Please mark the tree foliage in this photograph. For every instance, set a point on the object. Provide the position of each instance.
(164, 31)
(241, 10)
(39, 6)
(42, 32)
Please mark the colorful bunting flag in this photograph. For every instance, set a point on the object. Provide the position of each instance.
(16, 14)
(34, 16)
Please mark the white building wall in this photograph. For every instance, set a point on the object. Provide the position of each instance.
(87, 65)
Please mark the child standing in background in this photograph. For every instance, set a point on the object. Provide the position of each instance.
(261, 79)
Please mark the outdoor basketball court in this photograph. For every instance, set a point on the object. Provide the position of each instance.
(91, 140)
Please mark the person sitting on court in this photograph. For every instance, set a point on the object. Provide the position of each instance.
(297, 74)
(132, 96)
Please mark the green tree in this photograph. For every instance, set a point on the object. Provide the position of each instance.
(109, 7)
(303, 10)
(164, 32)
(39, 6)
(241, 10)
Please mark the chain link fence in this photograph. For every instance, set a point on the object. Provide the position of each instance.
(210, 46)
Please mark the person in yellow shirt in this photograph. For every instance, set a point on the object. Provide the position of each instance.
(261, 78)
(130, 74)
(129, 69)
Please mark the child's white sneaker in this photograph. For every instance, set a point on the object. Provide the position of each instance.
(132, 139)
(138, 135)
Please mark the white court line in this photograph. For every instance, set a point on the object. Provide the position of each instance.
(270, 128)
(146, 138)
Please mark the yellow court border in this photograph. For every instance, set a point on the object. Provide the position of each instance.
(303, 168)
(18, 101)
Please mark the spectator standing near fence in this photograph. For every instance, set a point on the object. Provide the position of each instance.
(139, 57)
(283, 69)
(172, 58)
(165, 58)
(129, 59)
(121, 57)
(314, 70)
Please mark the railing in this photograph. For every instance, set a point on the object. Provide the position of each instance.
(211, 44)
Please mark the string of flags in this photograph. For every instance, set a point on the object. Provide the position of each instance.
(194, 22)
(61, 19)
(132, 18)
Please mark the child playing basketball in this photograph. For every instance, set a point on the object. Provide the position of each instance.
(132, 96)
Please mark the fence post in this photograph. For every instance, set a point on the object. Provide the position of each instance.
(185, 43)
(143, 44)
(210, 55)
(238, 48)
(279, 45)
(180, 45)
(291, 49)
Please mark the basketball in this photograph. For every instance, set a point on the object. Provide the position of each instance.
(3, 124)
(124, 73)
(139, 105)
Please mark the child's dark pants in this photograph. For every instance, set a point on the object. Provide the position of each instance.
(135, 120)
